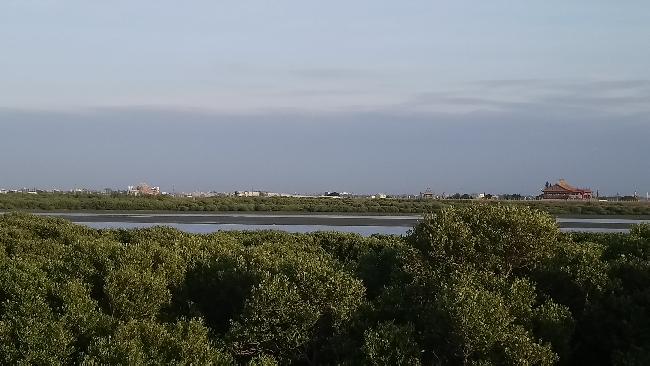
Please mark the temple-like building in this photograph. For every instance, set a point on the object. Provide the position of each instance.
(564, 191)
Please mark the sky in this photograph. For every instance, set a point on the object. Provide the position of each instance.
(311, 96)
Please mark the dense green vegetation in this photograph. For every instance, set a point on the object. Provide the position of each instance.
(75, 202)
(477, 285)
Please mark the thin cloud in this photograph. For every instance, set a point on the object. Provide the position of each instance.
(335, 73)
(598, 97)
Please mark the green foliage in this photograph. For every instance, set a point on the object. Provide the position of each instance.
(123, 202)
(150, 343)
(574, 274)
(276, 320)
(262, 360)
(389, 344)
(136, 293)
(641, 231)
(492, 325)
(554, 324)
(30, 330)
(480, 284)
(487, 237)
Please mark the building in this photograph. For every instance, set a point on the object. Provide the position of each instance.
(427, 194)
(564, 191)
(143, 189)
(337, 194)
(485, 196)
(248, 193)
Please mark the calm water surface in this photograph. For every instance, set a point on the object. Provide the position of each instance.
(210, 228)
(365, 230)
(203, 223)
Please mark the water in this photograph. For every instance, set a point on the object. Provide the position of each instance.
(593, 230)
(389, 225)
(210, 228)
(203, 223)
(601, 221)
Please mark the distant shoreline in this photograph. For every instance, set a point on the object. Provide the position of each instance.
(291, 213)
(239, 218)
(124, 204)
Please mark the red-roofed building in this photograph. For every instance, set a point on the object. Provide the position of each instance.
(564, 191)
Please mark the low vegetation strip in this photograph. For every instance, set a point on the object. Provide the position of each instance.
(475, 284)
(120, 202)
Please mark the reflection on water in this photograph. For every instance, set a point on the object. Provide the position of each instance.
(362, 230)
(204, 223)
(593, 230)
(601, 221)
(210, 228)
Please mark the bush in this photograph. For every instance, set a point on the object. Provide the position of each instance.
(473, 284)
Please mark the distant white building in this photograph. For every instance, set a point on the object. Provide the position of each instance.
(143, 189)
(248, 193)
(3, 191)
(486, 196)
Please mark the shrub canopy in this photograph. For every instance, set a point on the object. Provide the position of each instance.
(481, 284)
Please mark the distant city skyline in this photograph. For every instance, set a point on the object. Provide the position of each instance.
(303, 96)
(242, 192)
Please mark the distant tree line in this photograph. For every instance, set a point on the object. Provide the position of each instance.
(458, 196)
(79, 202)
(479, 284)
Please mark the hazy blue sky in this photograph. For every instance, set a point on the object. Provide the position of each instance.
(361, 96)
